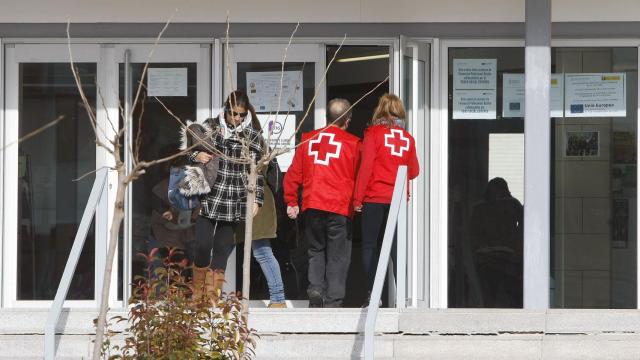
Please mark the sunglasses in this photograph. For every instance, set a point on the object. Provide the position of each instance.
(235, 113)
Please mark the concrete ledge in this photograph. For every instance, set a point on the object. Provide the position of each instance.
(320, 320)
(593, 321)
(351, 321)
(471, 321)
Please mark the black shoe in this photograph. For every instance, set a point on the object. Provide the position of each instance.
(315, 299)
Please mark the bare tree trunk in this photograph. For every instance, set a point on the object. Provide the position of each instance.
(248, 237)
(118, 215)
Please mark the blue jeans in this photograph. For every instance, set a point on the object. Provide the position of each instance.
(270, 268)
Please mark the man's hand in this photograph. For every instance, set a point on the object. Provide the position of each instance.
(293, 211)
(357, 208)
(256, 208)
(167, 215)
(203, 157)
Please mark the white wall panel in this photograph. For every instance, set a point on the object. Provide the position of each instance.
(43, 11)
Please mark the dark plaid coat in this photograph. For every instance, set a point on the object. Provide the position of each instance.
(228, 197)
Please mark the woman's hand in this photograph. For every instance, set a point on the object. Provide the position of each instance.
(203, 157)
(167, 215)
(256, 208)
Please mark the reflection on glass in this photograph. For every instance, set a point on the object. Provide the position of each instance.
(50, 202)
(496, 245)
(593, 181)
(486, 169)
(155, 224)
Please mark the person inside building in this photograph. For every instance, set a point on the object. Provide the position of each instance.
(223, 208)
(264, 230)
(496, 242)
(386, 146)
(325, 165)
(171, 228)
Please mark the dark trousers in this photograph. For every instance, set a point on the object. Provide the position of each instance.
(214, 243)
(329, 239)
(374, 222)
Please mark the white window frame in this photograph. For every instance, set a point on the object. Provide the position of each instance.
(439, 192)
(14, 55)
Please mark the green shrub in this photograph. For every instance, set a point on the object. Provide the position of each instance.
(165, 323)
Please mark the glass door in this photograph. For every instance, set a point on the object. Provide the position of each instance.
(44, 197)
(177, 79)
(414, 90)
(257, 70)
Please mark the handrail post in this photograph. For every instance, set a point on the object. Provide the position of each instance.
(399, 192)
(72, 262)
(401, 256)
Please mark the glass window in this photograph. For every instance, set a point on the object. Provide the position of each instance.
(593, 179)
(158, 133)
(486, 170)
(50, 201)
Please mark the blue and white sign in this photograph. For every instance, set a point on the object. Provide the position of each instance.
(595, 95)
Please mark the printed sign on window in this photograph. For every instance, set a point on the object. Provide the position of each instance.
(595, 95)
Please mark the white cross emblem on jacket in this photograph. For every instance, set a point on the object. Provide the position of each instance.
(322, 155)
(394, 141)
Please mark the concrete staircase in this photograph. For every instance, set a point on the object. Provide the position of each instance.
(401, 334)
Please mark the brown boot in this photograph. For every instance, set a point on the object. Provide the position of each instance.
(201, 279)
(217, 281)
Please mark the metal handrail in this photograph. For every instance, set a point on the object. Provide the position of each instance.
(72, 262)
(396, 217)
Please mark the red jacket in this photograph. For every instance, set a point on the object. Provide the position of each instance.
(384, 150)
(325, 166)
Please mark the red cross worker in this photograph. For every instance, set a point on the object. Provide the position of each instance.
(386, 147)
(325, 165)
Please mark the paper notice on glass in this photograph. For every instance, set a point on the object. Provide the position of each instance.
(474, 104)
(556, 95)
(282, 129)
(474, 74)
(167, 82)
(513, 95)
(263, 89)
(595, 95)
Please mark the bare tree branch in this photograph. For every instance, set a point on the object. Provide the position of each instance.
(92, 172)
(83, 96)
(315, 95)
(284, 59)
(347, 111)
(35, 132)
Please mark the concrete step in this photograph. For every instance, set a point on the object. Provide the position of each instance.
(330, 347)
(401, 334)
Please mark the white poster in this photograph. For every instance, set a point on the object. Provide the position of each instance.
(167, 82)
(474, 74)
(557, 95)
(595, 95)
(263, 89)
(282, 128)
(513, 95)
(474, 104)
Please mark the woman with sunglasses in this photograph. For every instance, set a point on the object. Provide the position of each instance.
(223, 208)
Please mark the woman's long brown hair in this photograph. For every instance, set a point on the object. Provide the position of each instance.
(389, 107)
